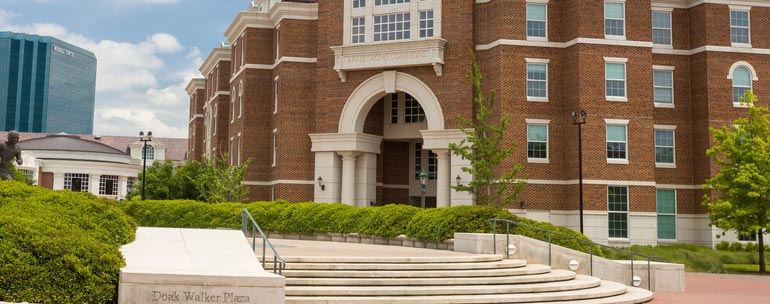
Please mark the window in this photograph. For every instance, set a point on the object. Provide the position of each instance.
(748, 238)
(108, 185)
(741, 83)
(28, 174)
(537, 142)
(661, 28)
(664, 147)
(666, 208)
(393, 108)
(275, 147)
(239, 150)
(232, 105)
(215, 122)
(277, 43)
(76, 182)
(359, 3)
(148, 151)
(387, 2)
(663, 83)
(537, 81)
(276, 94)
(426, 24)
(616, 142)
(615, 80)
(739, 27)
(359, 30)
(617, 207)
(392, 27)
(432, 165)
(417, 160)
(232, 152)
(413, 111)
(240, 99)
(537, 24)
(614, 19)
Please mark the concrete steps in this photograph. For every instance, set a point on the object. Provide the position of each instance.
(444, 279)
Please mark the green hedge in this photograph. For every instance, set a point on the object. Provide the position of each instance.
(59, 246)
(429, 225)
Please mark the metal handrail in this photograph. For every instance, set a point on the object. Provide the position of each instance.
(550, 233)
(279, 264)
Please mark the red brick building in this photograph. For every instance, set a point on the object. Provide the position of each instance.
(347, 101)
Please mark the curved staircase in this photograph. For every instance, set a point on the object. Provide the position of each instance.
(444, 279)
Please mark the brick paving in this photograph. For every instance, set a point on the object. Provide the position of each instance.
(705, 288)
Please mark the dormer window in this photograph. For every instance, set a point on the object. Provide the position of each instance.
(148, 151)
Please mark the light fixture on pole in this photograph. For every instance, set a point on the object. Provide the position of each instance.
(423, 183)
(580, 121)
(144, 139)
(321, 183)
(458, 179)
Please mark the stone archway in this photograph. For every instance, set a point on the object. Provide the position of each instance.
(370, 91)
(345, 161)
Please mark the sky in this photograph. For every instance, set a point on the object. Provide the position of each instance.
(146, 50)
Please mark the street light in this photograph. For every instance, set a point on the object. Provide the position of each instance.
(423, 183)
(580, 124)
(144, 139)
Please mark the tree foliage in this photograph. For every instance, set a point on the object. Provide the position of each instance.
(486, 149)
(19, 176)
(740, 196)
(211, 181)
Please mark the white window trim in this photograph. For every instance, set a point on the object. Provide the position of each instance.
(539, 61)
(277, 43)
(753, 78)
(746, 9)
(535, 38)
(275, 147)
(546, 123)
(232, 104)
(676, 217)
(624, 61)
(673, 130)
(627, 212)
(616, 161)
(625, 26)
(276, 93)
(668, 11)
(664, 68)
(240, 99)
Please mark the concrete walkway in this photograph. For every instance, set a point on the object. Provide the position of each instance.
(706, 288)
(701, 288)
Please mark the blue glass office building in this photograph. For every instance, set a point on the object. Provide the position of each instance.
(46, 85)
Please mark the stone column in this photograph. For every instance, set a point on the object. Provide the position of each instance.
(366, 179)
(122, 187)
(58, 181)
(443, 178)
(349, 177)
(93, 185)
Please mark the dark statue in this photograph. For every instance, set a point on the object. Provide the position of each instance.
(8, 151)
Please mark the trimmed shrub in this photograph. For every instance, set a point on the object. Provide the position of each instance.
(60, 246)
(427, 225)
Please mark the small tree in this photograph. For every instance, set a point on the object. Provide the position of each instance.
(485, 149)
(740, 200)
(221, 182)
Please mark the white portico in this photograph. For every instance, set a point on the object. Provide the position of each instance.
(346, 162)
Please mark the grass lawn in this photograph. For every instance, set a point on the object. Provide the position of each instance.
(743, 268)
(696, 258)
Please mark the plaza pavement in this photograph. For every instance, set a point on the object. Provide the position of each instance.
(701, 288)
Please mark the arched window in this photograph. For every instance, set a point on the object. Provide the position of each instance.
(743, 76)
(150, 153)
(741, 83)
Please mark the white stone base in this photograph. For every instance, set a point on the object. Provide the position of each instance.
(169, 265)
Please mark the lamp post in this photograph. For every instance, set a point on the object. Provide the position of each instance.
(580, 122)
(144, 139)
(423, 183)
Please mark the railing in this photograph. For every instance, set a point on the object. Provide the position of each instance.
(279, 264)
(550, 243)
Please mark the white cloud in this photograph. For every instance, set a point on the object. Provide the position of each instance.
(130, 93)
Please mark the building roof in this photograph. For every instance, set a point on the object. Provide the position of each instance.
(176, 148)
(67, 143)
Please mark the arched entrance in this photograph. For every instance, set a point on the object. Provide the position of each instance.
(391, 111)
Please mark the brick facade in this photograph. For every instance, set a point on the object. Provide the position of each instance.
(295, 54)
